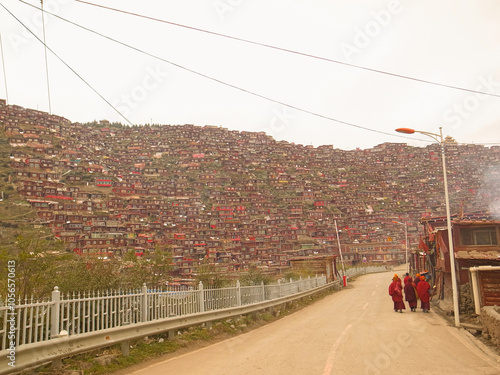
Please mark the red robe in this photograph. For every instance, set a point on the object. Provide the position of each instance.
(423, 289)
(410, 293)
(396, 293)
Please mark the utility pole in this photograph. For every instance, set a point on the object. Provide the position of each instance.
(46, 62)
(344, 276)
(4, 74)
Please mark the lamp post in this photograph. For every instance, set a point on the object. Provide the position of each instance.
(439, 138)
(406, 244)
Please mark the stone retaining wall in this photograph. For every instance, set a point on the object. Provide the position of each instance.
(490, 317)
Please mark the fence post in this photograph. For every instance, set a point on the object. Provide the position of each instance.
(238, 293)
(279, 287)
(201, 297)
(263, 290)
(54, 316)
(125, 348)
(144, 303)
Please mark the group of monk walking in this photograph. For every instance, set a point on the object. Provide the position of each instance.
(413, 290)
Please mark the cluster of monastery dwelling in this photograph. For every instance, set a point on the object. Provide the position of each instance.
(238, 198)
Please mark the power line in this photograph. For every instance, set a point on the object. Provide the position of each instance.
(64, 62)
(288, 50)
(242, 89)
(223, 82)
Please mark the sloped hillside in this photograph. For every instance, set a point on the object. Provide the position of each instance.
(238, 199)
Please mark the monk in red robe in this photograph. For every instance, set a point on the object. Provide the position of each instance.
(396, 292)
(423, 290)
(410, 294)
(417, 279)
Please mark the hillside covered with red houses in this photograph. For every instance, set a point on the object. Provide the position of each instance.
(237, 199)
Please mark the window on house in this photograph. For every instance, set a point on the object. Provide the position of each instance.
(478, 237)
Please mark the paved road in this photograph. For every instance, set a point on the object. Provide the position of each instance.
(354, 331)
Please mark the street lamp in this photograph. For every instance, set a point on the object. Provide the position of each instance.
(406, 244)
(439, 138)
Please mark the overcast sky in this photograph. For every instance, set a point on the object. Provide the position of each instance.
(290, 96)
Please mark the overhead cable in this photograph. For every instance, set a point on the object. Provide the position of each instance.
(66, 64)
(289, 50)
(223, 82)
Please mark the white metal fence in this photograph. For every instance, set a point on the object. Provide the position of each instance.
(355, 271)
(37, 321)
